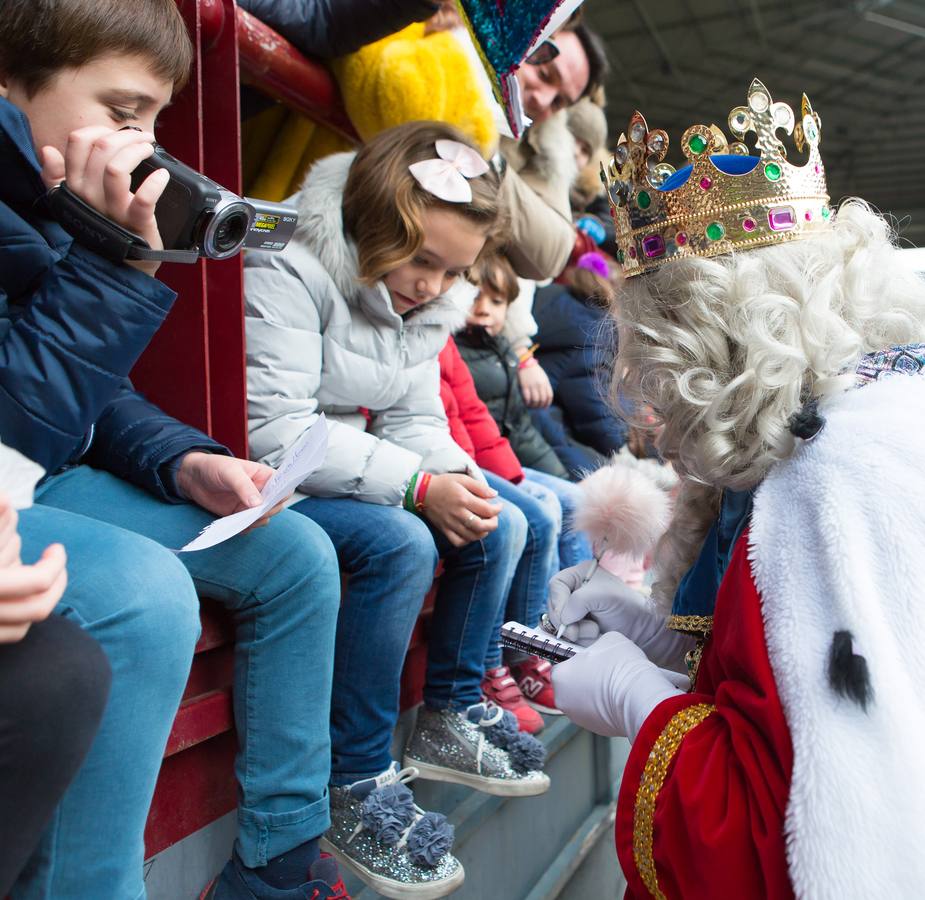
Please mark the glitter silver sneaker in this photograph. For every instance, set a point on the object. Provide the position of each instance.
(386, 841)
(466, 748)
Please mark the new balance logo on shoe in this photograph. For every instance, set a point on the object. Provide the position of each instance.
(530, 687)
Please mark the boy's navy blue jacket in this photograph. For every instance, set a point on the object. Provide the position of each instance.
(72, 326)
(573, 355)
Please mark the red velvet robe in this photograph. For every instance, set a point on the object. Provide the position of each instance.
(714, 795)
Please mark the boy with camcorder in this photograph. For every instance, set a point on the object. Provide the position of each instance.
(128, 481)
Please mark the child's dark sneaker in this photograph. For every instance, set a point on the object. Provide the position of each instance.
(500, 688)
(237, 882)
(481, 748)
(379, 834)
(324, 869)
(534, 679)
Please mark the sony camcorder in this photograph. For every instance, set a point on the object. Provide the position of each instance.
(195, 216)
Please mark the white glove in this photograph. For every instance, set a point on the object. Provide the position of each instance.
(611, 688)
(606, 604)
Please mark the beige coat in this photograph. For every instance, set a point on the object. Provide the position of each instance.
(540, 170)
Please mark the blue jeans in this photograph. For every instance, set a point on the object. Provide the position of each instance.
(574, 547)
(390, 556)
(139, 601)
(527, 597)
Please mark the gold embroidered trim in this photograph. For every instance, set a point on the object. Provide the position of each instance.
(653, 777)
(691, 624)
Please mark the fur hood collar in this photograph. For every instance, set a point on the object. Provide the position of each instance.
(321, 230)
(835, 544)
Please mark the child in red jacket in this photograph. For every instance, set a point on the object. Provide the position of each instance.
(519, 683)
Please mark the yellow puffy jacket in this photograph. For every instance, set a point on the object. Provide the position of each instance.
(410, 76)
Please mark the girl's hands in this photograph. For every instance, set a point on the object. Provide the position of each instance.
(98, 165)
(460, 507)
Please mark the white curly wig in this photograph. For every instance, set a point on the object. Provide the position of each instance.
(726, 350)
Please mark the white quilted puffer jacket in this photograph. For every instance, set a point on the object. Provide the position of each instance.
(320, 341)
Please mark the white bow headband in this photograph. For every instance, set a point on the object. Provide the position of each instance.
(447, 176)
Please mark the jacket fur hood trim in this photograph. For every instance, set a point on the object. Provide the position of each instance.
(321, 229)
(830, 554)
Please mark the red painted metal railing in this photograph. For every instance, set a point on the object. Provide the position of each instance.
(272, 64)
(194, 368)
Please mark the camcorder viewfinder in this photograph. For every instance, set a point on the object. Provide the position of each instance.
(196, 217)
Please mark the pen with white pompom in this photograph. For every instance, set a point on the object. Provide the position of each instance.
(624, 508)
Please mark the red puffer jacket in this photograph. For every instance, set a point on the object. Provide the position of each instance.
(471, 425)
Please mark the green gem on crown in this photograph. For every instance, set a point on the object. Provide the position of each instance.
(772, 171)
(643, 200)
(620, 256)
(826, 212)
(697, 144)
(715, 231)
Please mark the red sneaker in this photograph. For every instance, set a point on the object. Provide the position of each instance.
(534, 679)
(500, 688)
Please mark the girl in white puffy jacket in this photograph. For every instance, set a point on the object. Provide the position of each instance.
(349, 321)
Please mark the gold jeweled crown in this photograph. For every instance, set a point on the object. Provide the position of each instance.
(713, 211)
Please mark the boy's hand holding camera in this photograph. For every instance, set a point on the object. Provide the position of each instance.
(459, 506)
(97, 165)
(27, 593)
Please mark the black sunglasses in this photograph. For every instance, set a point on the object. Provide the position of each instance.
(546, 52)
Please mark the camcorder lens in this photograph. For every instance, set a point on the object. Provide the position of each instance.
(230, 232)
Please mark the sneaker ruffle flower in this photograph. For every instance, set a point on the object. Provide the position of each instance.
(381, 835)
(390, 814)
(430, 838)
(500, 725)
(480, 747)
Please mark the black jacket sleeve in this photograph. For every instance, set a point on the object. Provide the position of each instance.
(580, 388)
(330, 28)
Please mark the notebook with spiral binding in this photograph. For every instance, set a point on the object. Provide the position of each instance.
(537, 642)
